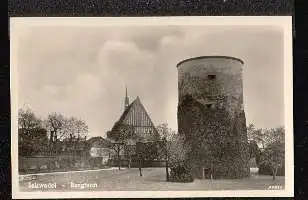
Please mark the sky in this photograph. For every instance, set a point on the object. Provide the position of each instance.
(83, 71)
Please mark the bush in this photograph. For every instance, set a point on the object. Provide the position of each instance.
(181, 174)
(265, 169)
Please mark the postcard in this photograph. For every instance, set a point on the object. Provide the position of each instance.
(152, 107)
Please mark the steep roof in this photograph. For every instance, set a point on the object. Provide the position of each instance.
(135, 104)
(123, 116)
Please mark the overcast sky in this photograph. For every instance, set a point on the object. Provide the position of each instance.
(83, 71)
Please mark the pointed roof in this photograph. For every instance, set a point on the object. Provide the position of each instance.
(135, 102)
(133, 105)
(126, 111)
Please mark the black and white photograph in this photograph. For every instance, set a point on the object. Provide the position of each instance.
(151, 107)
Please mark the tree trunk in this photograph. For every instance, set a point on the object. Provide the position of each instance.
(129, 162)
(167, 171)
(140, 172)
(50, 149)
(211, 170)
(49, 159)
(119, 161)
(274, 173)
(140, 167)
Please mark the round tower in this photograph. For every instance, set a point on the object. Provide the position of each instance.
(211, 116)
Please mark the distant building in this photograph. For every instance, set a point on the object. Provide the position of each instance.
(134, 125)
(100, 148)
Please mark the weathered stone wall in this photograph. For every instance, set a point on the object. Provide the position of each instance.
(226, 90)
(211, 115)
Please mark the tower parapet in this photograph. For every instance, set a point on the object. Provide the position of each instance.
(215, 81)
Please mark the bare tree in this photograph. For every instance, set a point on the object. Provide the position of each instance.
(75, 128)
(60, 127)
(32, 136)
(56, 126)
(27, 120)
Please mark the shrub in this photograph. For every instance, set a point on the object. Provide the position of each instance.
(181, 173)
(180, 168)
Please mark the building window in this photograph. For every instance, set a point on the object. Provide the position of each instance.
(210, 106)
(211, 77)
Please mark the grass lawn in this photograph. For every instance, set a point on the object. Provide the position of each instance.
(153, 179)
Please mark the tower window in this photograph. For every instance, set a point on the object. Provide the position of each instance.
(210, 106)
(211, 76)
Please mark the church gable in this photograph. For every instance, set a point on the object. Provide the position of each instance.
(136, 117)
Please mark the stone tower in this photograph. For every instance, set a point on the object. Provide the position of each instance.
(211, 116)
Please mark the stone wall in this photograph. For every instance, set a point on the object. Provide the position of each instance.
(195, 78)
(211, 115)
(40, 164)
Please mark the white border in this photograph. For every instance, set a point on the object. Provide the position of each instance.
(17, 24)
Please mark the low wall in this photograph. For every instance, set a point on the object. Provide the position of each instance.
(59, 163)
(147, 163)
(40, 164)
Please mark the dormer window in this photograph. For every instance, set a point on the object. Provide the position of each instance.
(211, 76)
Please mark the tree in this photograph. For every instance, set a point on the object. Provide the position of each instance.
(166, 136)
(254, 151)
(255, 134)
(56, 126)
(177, 159)
(118, 147)
(76, 127)
(164, 131)
(120, 135)
(61, 128)
(121, 132)
(274, 135)
(32, 136)
(176, 150)
(273, 154)
(130, 149)
(27, 120)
